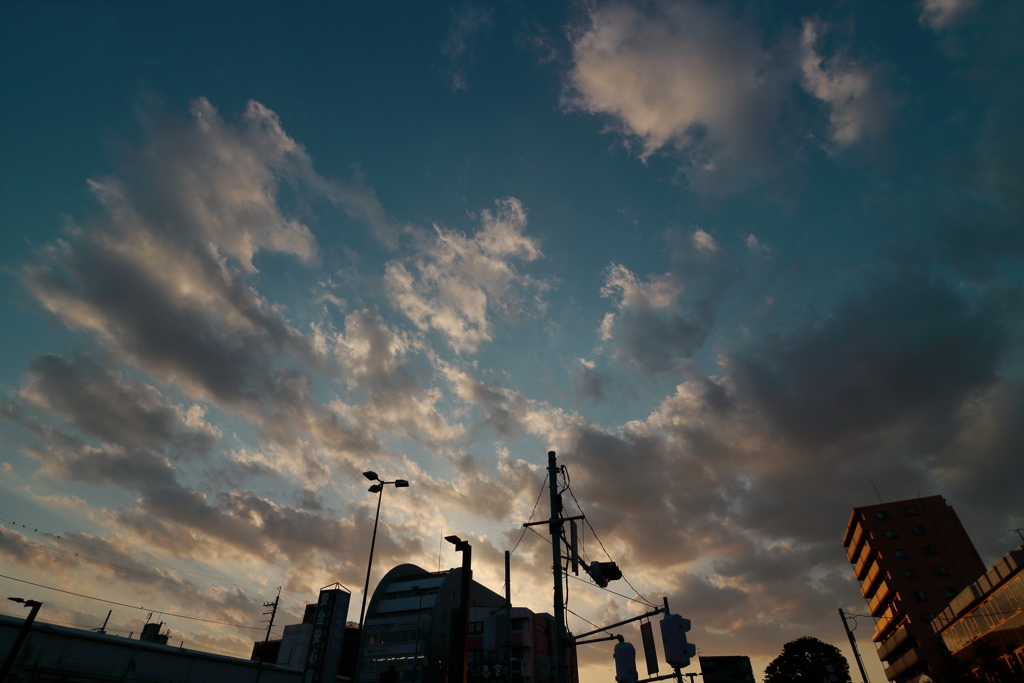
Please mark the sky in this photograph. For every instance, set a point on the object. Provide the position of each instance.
(743, 265)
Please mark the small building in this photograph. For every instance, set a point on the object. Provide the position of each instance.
(530, 635)
(983, 626)
(55, 654)
(911, 557)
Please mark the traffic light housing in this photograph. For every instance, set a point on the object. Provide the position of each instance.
(603, 572)
(625, 663)
(673, 637)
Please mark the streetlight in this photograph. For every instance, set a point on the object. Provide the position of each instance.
(22, 634)
(377, 488)
(461, 668)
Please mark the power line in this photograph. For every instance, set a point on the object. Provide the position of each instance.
(122, 604)
(532, 513)
(594, 531)
(129, 557)
(91, 560)
(609, 590)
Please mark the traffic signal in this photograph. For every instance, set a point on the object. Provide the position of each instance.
(603, 572)
(625, 663)
(673, 637)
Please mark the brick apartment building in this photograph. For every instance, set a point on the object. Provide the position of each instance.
(912, 557)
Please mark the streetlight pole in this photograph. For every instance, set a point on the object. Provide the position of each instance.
(22, 634)
(377, 488)
(460, 669)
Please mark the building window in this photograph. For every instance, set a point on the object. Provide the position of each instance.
(921, 596)
(900, 553)
(882, 514)
(891, 533)
(940, 570)
(910, 511)
(519, 624)
(476, 656)
(909, 574)
(930, 550)
(950, 592)
(928, 617)
(476, 628)
(919, 530)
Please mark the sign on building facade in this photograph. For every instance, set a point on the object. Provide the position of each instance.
(324, 656)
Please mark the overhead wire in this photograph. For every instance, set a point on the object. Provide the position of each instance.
(91, 560)
(607, 554)
(129, 557)
(532, 513)
(122, 604)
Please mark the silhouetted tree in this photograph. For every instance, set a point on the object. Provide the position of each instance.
(808, 660)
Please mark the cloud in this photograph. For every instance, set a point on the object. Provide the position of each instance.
(942, 14)
(707, 497)
(374, 358)
(657, 325)
(458, 46)
(681, 74)
(458, 280)
(162, 275)
(102, 403)
(857, 108)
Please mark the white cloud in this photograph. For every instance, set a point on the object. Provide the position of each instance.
(857, 107)
(703, 241)
(659, 292)
(940, 14)
(459, 280)
(680, 73)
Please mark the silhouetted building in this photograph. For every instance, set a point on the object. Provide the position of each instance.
(71, 655)
(983, 626)
(409, 626)
(911, 557)
(293, 647)
(151, 633)
(266, 651)
(493, 631)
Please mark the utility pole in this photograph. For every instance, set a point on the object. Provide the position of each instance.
(853, 644)
(272, 613)
(558, 656)
(508, 617)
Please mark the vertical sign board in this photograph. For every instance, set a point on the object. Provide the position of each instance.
(647, 634)
(328, 634)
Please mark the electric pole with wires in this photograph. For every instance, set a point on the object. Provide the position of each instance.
(272, 613)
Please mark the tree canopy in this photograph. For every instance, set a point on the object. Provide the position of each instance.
(808, 660)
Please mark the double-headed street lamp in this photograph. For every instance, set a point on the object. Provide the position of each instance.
(377, 488)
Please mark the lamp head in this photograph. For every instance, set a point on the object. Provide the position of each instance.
(16, 599)
(376, 488)
(453, 539)
(371, 475)
(401, 484)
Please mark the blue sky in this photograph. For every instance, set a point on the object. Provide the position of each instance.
(733, 261)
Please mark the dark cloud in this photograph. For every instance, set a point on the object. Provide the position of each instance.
(102, 403)
(906, 352)
(663, 320)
